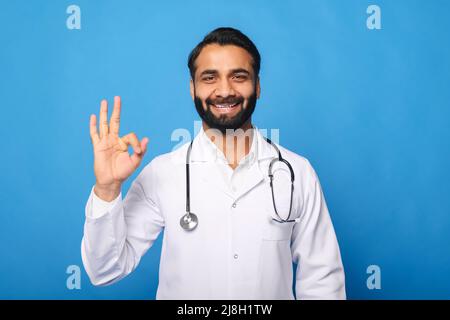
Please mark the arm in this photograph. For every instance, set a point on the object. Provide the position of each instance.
(315, 250)
(115, 239)
(117, 233)
(99, 206)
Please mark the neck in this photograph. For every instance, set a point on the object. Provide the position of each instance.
(235, 144)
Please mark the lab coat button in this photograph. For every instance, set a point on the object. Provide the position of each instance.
(234, 205)
(236, 256)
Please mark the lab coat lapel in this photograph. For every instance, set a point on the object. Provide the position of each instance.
(254, 177)
(256, 173)
(214, 178)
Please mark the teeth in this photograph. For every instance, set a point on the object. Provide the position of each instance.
(225, 105)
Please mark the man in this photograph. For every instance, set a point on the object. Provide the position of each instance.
(244, 240)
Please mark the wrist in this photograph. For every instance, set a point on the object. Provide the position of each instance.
(107, 192)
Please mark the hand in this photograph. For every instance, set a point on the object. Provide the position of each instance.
(112, 162)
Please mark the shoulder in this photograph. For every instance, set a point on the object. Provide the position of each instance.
(164, 164)
(303, 169)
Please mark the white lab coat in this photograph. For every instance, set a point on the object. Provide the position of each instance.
(237, 251)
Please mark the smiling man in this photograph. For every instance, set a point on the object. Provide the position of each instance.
(236, 208)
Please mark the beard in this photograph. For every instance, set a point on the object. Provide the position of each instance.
(224, 122)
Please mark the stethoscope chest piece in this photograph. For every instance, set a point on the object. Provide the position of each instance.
(189, 221)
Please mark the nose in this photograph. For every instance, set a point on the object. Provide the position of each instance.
(224, 89)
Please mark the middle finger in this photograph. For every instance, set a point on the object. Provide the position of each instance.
(103, 118)
(114, 122)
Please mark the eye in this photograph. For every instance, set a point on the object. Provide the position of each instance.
(208, 78)
(240, 77)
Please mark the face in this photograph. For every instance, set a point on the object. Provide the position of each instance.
(225, 87)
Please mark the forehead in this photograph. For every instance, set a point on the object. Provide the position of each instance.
(223, 58)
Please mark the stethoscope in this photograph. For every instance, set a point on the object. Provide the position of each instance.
(189, 221)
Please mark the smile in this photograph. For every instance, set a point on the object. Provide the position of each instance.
(225, 107)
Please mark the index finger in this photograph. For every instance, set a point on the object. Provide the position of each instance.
(114, 123)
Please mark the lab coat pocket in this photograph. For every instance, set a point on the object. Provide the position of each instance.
(276, 231)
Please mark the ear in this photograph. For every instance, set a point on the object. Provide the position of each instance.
(258, 88)
(191, 87)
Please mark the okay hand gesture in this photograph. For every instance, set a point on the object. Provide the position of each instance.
(112, 162)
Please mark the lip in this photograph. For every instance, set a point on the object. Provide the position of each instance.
(226, 109)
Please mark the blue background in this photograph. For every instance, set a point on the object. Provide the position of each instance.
(368, 108)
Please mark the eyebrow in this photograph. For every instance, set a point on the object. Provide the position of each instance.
(208, 72)
(215, 72)
(240, 70)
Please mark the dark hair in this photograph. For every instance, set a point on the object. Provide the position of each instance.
(226, 36)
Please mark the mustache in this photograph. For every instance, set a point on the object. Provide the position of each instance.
(228, 100)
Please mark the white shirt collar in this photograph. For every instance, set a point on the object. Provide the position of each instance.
(204, 150)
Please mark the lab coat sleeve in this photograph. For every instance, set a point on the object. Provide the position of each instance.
(114, 242)
(315, 250)
(101, 207)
